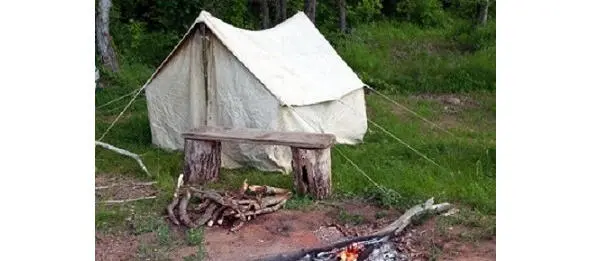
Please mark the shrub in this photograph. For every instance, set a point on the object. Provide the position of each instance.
(422, 12)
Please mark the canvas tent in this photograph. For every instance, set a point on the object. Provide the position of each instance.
(286, 78)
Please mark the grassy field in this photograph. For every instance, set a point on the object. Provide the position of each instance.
(467, 157)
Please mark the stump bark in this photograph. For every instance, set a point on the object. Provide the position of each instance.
(203, 160)
(312, 171)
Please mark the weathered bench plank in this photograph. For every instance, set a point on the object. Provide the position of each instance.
(311, 160)
(304, 140)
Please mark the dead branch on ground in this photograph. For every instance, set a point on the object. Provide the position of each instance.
(135, 184)
(427, 208)
(121, 201)
(125, 153)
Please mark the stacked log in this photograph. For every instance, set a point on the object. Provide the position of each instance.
(225, 208)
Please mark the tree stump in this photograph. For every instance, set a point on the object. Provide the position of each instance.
(312, 171)
(203, 160)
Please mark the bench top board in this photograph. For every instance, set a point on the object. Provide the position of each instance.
(304, 140)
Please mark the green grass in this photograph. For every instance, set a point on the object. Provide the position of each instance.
(404, 57)
(468, 158)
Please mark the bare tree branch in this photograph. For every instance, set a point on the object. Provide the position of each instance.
(125, 153)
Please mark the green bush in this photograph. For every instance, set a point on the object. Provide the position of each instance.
(470, 37)
(422, 12)
(403, 57)
(468, 9)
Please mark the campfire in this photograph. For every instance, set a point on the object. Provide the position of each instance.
(221, 208)
(351, 252)
(385, 244)
(369, 248)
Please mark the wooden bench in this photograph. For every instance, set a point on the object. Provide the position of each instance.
(311, 159)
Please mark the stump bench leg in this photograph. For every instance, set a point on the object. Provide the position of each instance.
(203, 160)
(312, 172)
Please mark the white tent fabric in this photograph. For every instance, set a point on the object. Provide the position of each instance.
(287, 78)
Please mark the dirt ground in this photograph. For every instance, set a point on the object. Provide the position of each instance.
(289, 230)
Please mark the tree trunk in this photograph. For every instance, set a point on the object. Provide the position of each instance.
(343, 15)
(312, 172)
(104, 41)
(483, 12)
(310, 9)
(203, 160)
(283, 8)
(277, 12)
(265, 13)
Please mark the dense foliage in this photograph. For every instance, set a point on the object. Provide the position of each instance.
(395, 45)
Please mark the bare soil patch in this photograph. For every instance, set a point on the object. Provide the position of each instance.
(115, 247)
(291, 230)
(120, 188)
(430, 242)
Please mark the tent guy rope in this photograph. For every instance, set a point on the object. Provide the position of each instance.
(401, 141)
(115, 100)
(361, 171)
(409, 110)
(121, 113)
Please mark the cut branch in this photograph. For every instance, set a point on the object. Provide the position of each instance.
(237, 207)
(419, 210)
(125, 153)
(121, 201)
(139, 184)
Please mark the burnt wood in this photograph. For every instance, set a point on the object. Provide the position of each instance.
(301, 254)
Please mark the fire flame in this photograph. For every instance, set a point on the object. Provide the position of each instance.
(351, 252)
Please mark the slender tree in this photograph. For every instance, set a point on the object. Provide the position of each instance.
(483, 12)
(343, 15)
(277, 12)
(283, 8)
(310, 9)
(265, 13)
(104, 41)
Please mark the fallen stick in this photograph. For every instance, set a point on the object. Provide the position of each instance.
(175, 201)
(139, 184)
(121, 201)
(125, 153)
(403, 221)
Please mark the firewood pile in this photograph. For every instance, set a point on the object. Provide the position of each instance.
(219, 208)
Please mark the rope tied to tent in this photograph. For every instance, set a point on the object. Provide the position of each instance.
(115, 100)
(121, 113)
(409, 110)
(400, 140)
(361, 171)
